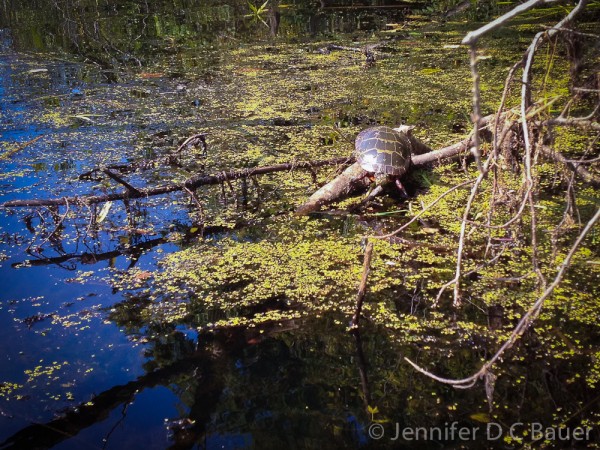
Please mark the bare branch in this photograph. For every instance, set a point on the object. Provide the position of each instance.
(585, 174)
(476, 118)
(423, 211)
(192, 183)
(584, 123)
(525, 321)
(473, 36)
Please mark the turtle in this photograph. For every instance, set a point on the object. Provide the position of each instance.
(385, 153)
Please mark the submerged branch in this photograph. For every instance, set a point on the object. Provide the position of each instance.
(362, 289)
(192, 183)
(23, 146)
(585, 174)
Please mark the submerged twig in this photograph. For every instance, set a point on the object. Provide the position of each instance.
(362, 289)
(120, 180)
(23, 146)
(525, 321)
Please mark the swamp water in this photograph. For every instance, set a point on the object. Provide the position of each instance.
(163, 325)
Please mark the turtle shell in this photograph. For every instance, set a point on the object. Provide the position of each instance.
(382, 150)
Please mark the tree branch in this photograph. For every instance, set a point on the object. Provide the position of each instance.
(525, 321)
(192, 183)
(585, 174)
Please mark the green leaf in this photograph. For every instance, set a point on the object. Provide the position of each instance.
(372, 410)
(262, 8)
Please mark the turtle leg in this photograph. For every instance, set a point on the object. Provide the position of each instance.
(400, 187)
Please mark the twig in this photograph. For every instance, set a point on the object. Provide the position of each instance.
(525, 321)
(510, 221)
(570, 208)
(56, 227)
(534, 247)
(362, 289)
(9, 153)
(476, 117)
(585, 174)
(463, 228)
(473, 36)
(195, 199)
(582, 160)
(423, 211)
(120, 180)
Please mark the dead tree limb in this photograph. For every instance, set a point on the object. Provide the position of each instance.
(583, 123)
(585, 174)
(350, 180)
(192, 183)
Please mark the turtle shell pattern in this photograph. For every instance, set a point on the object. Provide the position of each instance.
(382, 150)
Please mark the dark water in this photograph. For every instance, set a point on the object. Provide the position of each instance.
(80, 379)
(98, 84)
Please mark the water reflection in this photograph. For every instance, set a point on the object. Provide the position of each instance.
(188, 389)
(136, 33)
(236, 387)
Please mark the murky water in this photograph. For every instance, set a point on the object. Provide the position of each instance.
(58, 344)
(82, 367)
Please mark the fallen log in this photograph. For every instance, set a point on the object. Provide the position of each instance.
(355, 177)
(423, 155)
(351, 180)
(192, 183)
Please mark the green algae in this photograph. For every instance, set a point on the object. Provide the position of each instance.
(295, 267)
